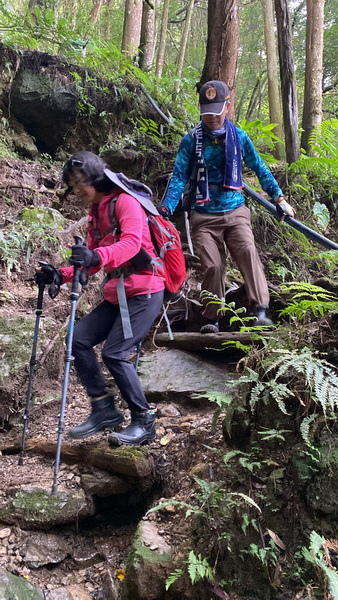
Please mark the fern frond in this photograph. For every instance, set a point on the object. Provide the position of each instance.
(305, 427)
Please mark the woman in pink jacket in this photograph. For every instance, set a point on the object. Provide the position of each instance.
(124, 248)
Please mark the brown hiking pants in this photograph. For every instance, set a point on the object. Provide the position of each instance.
(210, 234)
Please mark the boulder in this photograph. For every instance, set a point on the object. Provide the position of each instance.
(171, 374)
(17, 588)
(44, 216)
(34, 508)
(16, 339)
(41, 549)
(110, 589)
(45, 105)
(148, 564)
(71, 592)
(102, 484)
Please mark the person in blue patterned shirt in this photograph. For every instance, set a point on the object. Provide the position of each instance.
(210, 159)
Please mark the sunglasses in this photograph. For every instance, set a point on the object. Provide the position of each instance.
(73, 162)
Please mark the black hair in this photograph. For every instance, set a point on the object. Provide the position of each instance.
(91, 168)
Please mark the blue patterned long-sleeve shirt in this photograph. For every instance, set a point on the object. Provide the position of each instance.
(214, 157)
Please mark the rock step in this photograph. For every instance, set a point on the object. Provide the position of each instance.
(125, 460)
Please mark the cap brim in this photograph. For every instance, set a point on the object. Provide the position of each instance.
(214, 108)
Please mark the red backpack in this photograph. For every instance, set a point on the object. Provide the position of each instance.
(164, 235)
(167, 243)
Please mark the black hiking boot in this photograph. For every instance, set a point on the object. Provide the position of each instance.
(210, 327)
(140, 431)
(261, 317)
(103, 415)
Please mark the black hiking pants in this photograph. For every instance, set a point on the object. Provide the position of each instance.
(103, 324)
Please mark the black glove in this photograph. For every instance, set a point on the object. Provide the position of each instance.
(83, 257)
(164, 211)
(49, 275)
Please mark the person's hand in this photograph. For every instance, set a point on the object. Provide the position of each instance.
(83, 257)
(47, 274)
(284, 208)
(164, 211)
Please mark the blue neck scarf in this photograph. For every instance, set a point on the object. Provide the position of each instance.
(232, 177)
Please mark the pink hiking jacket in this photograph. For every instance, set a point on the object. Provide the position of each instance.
(116, 250)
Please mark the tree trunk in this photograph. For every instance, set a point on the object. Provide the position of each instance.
(163, 35)
(256, 96)
(289, 95)
(222, 43)
(95, 11)
(131, 27)
(312, 109)
(73, 13)
(106, 26)
(184, 38)
(146, 49)
(275, 107)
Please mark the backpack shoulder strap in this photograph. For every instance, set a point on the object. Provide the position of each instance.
(114, 225)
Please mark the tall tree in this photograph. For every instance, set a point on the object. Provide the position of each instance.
(313, 103)
(275, 108)
(184, 38)
(288, 84)
(147, 42)
(222, 42)
(95, 11)
(132, 27)
(256, 95)
(163, 35)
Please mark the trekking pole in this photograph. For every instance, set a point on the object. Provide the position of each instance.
(309, 233)
(74, 295)
(32, 364)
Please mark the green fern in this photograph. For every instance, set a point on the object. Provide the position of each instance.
(323, 139)
(321, 378)
(307, 301)
(199, 568)
(305, 427)
(315, 555)
(173, 577)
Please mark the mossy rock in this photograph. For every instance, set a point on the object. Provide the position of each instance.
(149, 564)
(16, 340)
(17, 588)
(44, 216)
(33, 508)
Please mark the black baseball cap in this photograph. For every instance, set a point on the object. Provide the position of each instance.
(213, 96)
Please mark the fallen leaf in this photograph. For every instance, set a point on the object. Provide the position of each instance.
(167, 438)
(276, 539)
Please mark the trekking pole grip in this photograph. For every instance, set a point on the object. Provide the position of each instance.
(79, 241)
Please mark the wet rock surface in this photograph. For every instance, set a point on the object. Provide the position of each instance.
(170, 374)
(35, 508)
(43, 549)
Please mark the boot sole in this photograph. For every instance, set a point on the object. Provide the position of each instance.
(114, 441)
(101, 427)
